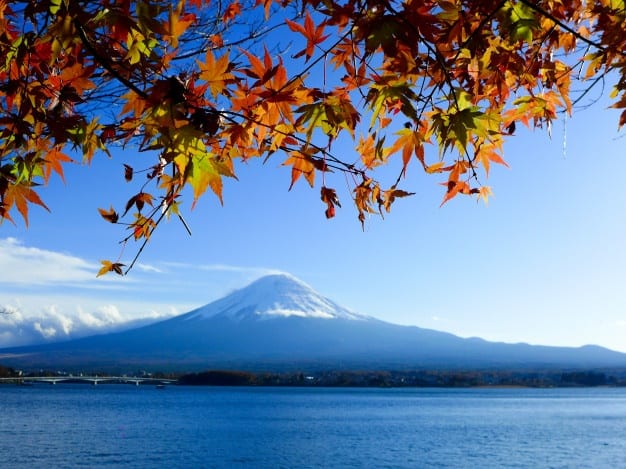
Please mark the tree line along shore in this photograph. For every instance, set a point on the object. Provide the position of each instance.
(378, 378)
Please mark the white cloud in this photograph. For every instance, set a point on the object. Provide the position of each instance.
(11, 310)
(46, 332)
(23, 265)
(52, 323)
(148, 268)
(250, 271)
(65, 323)
(104, 316)
(439, 319)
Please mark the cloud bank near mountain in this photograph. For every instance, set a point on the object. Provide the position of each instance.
(52, 324)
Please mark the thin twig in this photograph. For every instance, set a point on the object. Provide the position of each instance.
(105, 63)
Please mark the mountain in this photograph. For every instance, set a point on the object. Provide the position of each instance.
(278, 322)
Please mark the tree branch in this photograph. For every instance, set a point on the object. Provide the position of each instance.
(105, 63)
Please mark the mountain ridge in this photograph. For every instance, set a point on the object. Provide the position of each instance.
(279, 322)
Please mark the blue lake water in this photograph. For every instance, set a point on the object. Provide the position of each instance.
(71, 425)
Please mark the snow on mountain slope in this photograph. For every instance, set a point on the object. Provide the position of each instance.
(275, 296)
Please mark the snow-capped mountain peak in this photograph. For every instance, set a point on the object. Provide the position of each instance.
(273, 296)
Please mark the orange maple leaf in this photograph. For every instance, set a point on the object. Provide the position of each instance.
(314, 35)
(487, 155)
(232, 11)
(267, 4)
(410, 142)
(109, 215)
(301, 164)
(368, 151)
(53, 160)
(20, 195)
(455, 188)
(391, 195)
(177, 23)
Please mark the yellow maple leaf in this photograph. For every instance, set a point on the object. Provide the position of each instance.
(108, 266)
(178, 23)
(215, 72)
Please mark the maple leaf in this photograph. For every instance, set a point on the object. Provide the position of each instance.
(232, 11)
(314, 35)
(197, 164)
(484, 193)
(108, 266)
(301, 164)
(330, 115)
(282, 136)
(142, 227)
(622, 119)
(20, 195)
(329, 197)
(109, 215)
(411, 142)
(178, 23)
(436, 168)
(134, 104)
(53, 162)
(216, 72)
(370, 154)
(523, 22)
(455, 188)
(264, 70)
(84, 134)
(267, 4)
(486, 155)
(138, 200)
(128, 173)
(203, 174)
(314, 115)
(389, 197)
(366, 192)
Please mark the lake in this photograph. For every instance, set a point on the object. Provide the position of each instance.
(74, 425)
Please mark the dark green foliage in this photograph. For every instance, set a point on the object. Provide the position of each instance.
(218, 378)
(6, 372)
(584, 378)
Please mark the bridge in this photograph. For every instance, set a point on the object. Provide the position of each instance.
(94, 380)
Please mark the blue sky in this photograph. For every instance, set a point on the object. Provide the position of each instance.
(542, 263)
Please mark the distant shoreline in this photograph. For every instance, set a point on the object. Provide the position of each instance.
(342, 386)
(500, 379)
(412, 379)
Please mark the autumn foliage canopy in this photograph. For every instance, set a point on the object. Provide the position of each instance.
(203, 84)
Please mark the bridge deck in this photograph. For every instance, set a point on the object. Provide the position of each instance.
(137, 380)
